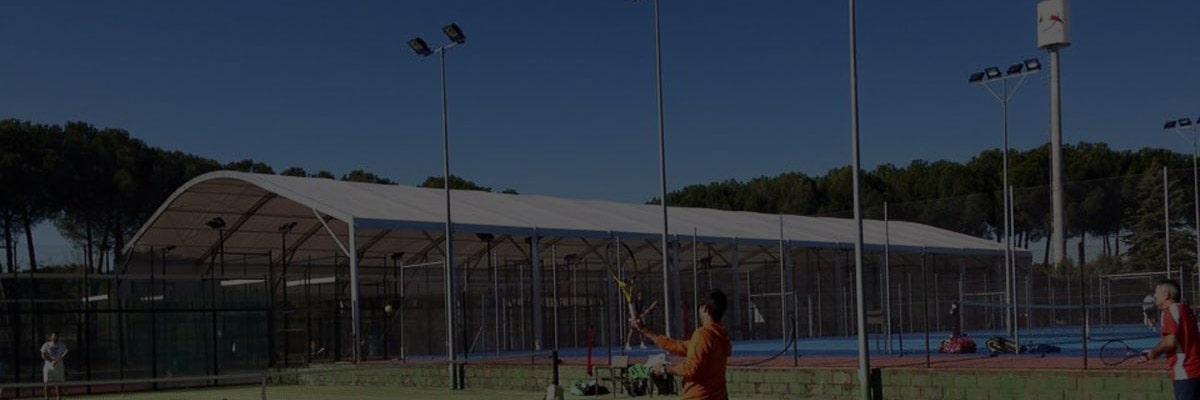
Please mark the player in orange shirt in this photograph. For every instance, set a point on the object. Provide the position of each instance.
(707, 352)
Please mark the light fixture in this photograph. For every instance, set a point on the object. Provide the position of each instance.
(1015, 69)
(455, 33)
(420, 47)
(992, 73)
(485, 237)
(397, 256)
(1185, 122)
(216, 223)
(975, 78)
(1169, 125)
(1033, 65)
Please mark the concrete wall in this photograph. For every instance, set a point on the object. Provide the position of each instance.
(796, 383)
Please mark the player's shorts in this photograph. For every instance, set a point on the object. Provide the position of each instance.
(52, 374)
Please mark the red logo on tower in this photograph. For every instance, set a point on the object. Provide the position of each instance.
(1052, 24)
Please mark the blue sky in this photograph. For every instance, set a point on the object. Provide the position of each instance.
(556, 97)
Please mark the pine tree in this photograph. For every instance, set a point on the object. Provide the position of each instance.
(1147, 251)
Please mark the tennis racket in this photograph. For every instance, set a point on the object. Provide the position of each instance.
(1115, 352)
(626, 288)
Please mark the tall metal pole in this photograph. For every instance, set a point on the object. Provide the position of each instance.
(403, 303)
(887, 278)
(662, 174)
(1196, 206)
(1167, 220)
(1195, 190)
(1016, 284)
(696, 282)
(449, 265)
(1058, 237)
(495, 293)
(864, 364)
(286, 306)
(783, 319)
(554, 278)
(355, 309)
(1010, 269)
(1009, 320)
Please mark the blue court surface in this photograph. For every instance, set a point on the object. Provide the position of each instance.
(1066, 338)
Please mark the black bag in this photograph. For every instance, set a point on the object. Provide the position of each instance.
(637, 387)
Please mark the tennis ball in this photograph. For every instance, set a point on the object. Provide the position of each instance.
(387, 309)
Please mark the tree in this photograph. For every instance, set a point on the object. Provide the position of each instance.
(359, 175)
(1146, 237)
(456, 183)
(294, 171)
(251, 166)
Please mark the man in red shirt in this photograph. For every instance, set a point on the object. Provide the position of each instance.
(1180, 340)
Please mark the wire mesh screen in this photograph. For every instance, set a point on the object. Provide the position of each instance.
(135, 325)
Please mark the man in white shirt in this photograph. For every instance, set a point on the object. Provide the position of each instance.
(53, 352)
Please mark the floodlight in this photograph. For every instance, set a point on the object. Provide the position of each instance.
(992, 73)
(975, 77)
(1015, 69)
(420, 47)
(1185, 122)
(286, 228)
(455, 33)
(216, 223)
(1169, 125)
(1033, 65)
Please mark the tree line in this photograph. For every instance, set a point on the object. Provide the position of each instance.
(98, 186)
(1113, 197)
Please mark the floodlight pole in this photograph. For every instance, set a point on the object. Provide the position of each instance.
(1004, 98)
(662, 174)
(448, 266)
(864, 363)
(1195, 196)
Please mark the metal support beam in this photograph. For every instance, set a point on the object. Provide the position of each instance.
(735, 279)
(291, 250)
(538, 301)
(237, 224)
(355, 315)
(435, 244)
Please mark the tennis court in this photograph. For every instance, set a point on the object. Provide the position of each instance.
(265, 283)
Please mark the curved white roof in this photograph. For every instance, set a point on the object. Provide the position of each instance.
(392, 218)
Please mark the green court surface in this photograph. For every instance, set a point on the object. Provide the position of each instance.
(335, 393)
